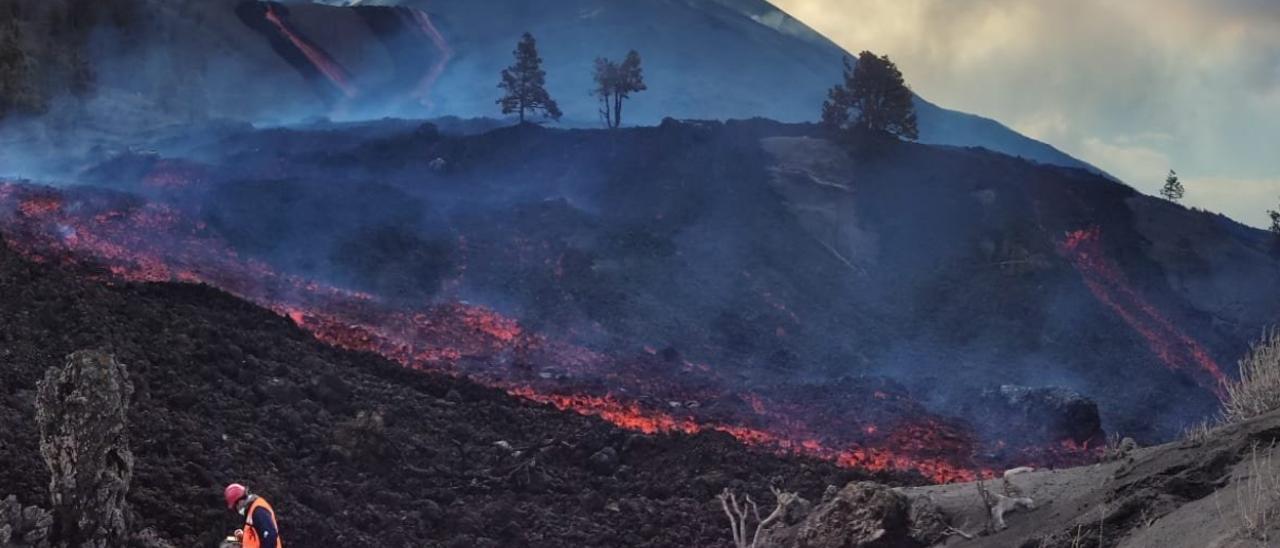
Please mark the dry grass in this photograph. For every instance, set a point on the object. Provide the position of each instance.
(1113, 443)
(1198, 433)
(1258, 498)
(1258, 390)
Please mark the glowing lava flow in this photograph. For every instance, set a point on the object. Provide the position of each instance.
(100, 232)
(422, 22)
(632, 416)
(319, 59)
(1108, 283)
(173, 175)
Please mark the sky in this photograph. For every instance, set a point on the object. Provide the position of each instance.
(1135, 87)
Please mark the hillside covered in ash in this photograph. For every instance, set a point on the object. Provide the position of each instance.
(94, 70)
(421, 289)
(882, 305)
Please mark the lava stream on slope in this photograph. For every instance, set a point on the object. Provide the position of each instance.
(1108, 283)
(867, 424)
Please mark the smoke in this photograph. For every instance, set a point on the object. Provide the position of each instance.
(549, 260)
(175, 65)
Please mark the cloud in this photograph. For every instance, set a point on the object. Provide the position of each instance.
(1139, 165)
(1245, 200)
(1122, 85)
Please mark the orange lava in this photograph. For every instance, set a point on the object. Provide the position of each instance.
(632, 416)
(319, 59)
(422, 22)
(172, 174)
(139, 241)
(1176, 350)
(36, 206)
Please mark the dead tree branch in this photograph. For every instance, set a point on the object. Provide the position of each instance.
(740, 513)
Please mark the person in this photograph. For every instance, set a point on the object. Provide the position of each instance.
(260, 528)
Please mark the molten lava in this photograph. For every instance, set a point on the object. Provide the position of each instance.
(864, 423)
(170, 174)
(316, 56)
(421, 22)
(1175, 349)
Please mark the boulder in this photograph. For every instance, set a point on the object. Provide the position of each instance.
(23, 526)
(605, 461)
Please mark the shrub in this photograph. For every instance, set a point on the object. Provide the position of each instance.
(1258, 390)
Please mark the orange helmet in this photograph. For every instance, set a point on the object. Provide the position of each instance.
(233, 493)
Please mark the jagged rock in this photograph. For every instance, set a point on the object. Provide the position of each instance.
(23, 526)
(864, 515)
(797, 511)
(81, 411)
(928, 524)
(150, 538)
(605, 461)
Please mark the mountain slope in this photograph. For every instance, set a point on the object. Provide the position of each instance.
(738, 275)
(704, 59)
(229, 392)
(1212, 490)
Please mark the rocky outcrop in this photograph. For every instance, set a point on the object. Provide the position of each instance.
(81, 411)
(23, 526)
(864, 515)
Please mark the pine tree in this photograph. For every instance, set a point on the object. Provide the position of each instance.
(525, 83)
(615, 83)
(1275, 230)
(1173, 190)
(873, 97)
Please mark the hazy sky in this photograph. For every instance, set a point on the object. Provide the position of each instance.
(1136, 87)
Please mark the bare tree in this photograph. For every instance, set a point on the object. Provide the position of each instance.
(998, 505)
(741, 513)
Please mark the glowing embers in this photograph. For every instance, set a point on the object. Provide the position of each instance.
(169, 174)
(36, 206)
(1108, 283)
(318, 58)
